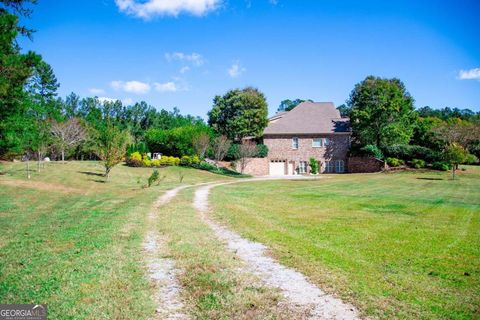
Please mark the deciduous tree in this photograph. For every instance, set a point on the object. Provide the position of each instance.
(455, 154)
(381, 112)
(111, 144)
(246, 151)
(239, 113)
(68, 134)
(220, 147)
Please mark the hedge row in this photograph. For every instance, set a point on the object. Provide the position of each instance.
(137, 160)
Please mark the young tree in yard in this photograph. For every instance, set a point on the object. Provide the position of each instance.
(246, 151)
(111, 144)
(381, 112)
(455, 154)
(201, 144)
(68, 134)
(220, 148)
(239, 113)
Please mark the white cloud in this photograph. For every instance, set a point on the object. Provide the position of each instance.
(126, 101)
(184, 69)
(236, 70)
(148, 9)
(472, 74)
(169, 86)
(194, 58)
(96, 91)
(274, 2)
(133, 86)
(106, 99)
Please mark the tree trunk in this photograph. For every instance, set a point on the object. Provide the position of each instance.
(107, 173)
(28, 169)
(453, 172)
(63, 155)
(39, 161)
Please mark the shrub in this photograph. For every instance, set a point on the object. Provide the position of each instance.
(185, 161)
(134, 160)
(313, 166)
(188, 161)
(153, 177)
(156, 163)
(394, 162)
(441, 165)
(262, 151)
(418, 163)
(223, 171)
(371, 150)
(177, 141)
(408, 152)
(233, 152)
(471, 159)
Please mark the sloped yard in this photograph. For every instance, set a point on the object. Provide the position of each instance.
(401, 245)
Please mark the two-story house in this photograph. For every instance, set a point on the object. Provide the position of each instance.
(311, 130)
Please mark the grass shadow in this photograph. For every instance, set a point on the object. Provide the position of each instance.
(88, 173)
(426, 178)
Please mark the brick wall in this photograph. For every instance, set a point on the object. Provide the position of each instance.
(365, 165)
(255, 166)
(280, 148)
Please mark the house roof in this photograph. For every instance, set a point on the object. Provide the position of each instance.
(309, 118)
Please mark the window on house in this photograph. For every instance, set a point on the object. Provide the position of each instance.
(329, 166)
(328, 141)
(295, 143)
(339, 166)
(317, 142)
(302, 167)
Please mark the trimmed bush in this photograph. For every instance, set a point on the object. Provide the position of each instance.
(441, 165)
(146, 161)
(418, 163)
(134, 160)
(394, 162)
(188, 161)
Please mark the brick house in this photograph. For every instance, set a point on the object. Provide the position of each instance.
(311, 130)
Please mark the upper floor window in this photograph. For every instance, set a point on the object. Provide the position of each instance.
(294, 143)
(317, 142)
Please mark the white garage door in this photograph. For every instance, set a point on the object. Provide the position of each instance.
(277, 168)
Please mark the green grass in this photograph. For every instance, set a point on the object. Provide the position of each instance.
(72, 241)
(403, 245)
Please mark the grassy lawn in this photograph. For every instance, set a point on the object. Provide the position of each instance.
(403, 245)
(74, 242)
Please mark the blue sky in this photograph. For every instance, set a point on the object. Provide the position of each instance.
(184, 52)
